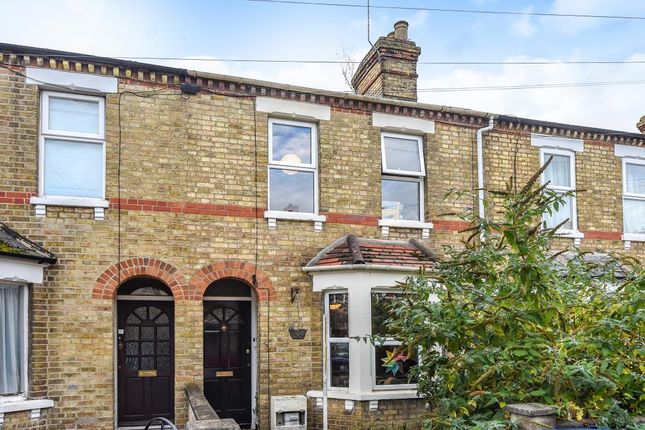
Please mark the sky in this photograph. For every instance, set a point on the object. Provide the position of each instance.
(242, 29)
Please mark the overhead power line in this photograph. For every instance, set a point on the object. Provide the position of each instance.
(324, 61)
(445, 10)
(530, 86)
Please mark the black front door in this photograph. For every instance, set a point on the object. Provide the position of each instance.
(227, 359)
(145, 344)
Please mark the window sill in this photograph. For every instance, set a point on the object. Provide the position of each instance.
(367, 396)
(386, 224)
(273, 216)
(577, 236)
(24, 405)
(628, 238)
(41, 204)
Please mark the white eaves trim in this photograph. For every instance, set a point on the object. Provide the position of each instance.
(368, 395)
(348, 277)
(21, 270)
(627, 151)
(83, 82)
(402, 123)
(293, 109)
(543, 141)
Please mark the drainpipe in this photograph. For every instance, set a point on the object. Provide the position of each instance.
(324, 362)
(480, 164)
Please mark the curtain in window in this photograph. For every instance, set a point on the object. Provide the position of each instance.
(634, 213)
(558, 171)
(11, 339)
(635, 178)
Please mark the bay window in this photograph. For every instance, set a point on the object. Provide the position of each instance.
(13, 341)
(336, 307)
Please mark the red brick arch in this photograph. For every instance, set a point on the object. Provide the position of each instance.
(107, 284)
(236, 270)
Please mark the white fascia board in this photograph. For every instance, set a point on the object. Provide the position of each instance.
(293, 109)
(402, 123)
(544, 141)
(627, 151)
(20, 270)
(341, 279)
(73, 80)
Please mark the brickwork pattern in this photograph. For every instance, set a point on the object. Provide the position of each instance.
(391, 415)
(188, 199)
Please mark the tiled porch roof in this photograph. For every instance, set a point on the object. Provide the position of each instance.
(352, 250)
(14, 245)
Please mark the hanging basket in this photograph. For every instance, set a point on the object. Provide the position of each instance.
(297, 333)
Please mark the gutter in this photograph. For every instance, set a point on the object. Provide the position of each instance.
(364, 267)
(480, 164)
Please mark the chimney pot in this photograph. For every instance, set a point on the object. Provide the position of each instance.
(401, 30)
(641, 124)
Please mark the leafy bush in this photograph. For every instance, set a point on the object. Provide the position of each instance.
(506, 319)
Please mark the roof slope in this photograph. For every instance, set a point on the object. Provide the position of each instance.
(15, 245)
(351, 250)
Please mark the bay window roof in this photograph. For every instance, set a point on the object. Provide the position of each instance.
(351, 251)
(14, 245)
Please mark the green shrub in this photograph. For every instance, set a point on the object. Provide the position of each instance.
(505, 319)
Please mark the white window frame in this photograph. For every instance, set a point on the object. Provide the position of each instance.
(331, 340)
(47, 95)
(396, 172)
(359, 351)
(544, 156)
(631, 196)
(298, 167)
(24, 389)
(405, 175)
(99, 203)
(388, 342)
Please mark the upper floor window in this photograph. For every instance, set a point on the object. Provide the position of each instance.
(293, 166)
(561, 176)
(402, 180)
(634, 196)
(13, 340)
(72, 146)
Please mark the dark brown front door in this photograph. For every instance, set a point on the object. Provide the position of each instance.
(227, 359)
(146, 361)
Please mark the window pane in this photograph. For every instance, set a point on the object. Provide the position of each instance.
(392, 365)
(563, 212)
(291, 144)
(339, 364)
(402, 154)
(291, 191)
(338, 315)
(559, 171)
(635, 178)
(381, 303)
(74, 115)
(73, 168)
(400, 199)
(11, 339)
(634, 213)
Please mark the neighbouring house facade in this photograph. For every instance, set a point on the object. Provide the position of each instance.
(162, 227)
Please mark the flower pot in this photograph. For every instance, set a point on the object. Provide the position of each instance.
(297, 333)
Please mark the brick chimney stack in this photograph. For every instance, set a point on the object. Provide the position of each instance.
(641, 124)
(389, 69)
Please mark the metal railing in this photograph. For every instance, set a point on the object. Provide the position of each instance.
(162, 423)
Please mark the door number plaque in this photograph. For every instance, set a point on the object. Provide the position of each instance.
(224, 373)
(147, 373)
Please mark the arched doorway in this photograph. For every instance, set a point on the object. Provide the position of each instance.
(229, 350)
(145, 351)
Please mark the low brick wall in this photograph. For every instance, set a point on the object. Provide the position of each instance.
(407, 414)
(201, 415)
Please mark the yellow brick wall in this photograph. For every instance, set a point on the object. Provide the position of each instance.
(202, 150)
